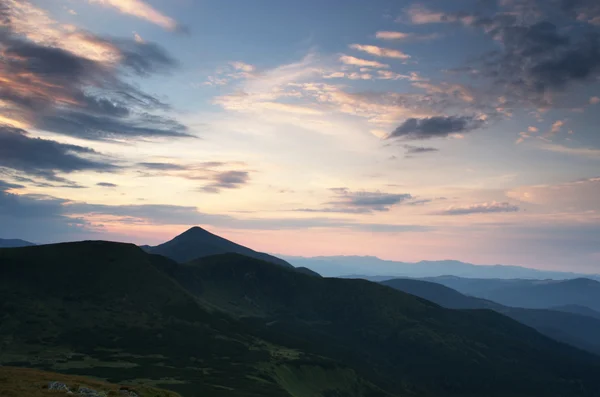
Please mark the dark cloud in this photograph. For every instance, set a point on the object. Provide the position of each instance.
(163, 166)
(227, 180)
(435, 127)
(106, 184)
(540, 59)
(45, 158)
(485, 208)
(362, 202)
(4, 186)
(144, 58)
(410, 149)
(54, 89)
(582, 10)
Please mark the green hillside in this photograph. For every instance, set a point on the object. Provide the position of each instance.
(230, 325)
(107, 310)
(395, 339)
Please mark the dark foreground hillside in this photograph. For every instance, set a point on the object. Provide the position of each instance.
(230, 325)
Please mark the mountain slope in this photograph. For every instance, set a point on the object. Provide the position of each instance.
(398, 341)
(229, 325)
(533, 294)
(575, 329)
(198, 243)
(14, 243)
(34, 383)
(110, 311)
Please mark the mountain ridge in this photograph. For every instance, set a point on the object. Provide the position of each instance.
(197, 242)
(230, 325)
(371, 266)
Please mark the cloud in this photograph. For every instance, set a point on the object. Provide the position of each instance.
(485, 208)
(573, 151)
(379, 51)
(51, 219)
(359, 202)
(45, 158)
(420, 15)
(227, 180)
(106, 184)
(410, 149)
(163, 166)
(139, 9)
(350, 60)
(556, 127)
(583, 10)
(435, 127)
(70, 82)
(402, 36)
(594, 100)
(539, 60)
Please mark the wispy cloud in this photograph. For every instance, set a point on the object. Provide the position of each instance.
(140, 9)
(46, 159)
(71, 82)
(484, 208)
(574, 151)
(350, 60)
(403, 36)
(380, 51)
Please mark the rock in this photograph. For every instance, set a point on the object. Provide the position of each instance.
(57, 386)
(125, 391)
(87, 392)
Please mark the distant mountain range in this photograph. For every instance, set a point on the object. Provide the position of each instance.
(229, 325)
(376, 269)
(576, 295)
(199, 243)
(579, 330)
(14, 243)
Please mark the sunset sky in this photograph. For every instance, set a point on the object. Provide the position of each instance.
(464, 129)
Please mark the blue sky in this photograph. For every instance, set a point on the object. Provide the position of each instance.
(408, 130)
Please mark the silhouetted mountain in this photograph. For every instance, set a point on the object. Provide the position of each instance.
(395, 339)
(370, 266)
(575, 329)
(14, 243)
(230, 325)
(533, 294)
(199, 243)
(111, 311)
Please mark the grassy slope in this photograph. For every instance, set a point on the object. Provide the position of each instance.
(399, 341)
(110, 311)
(21, 382)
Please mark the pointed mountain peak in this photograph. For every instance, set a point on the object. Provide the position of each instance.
(197, 242)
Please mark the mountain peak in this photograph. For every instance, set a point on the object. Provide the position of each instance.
(197, 242)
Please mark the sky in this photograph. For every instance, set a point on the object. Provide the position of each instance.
(410, 131)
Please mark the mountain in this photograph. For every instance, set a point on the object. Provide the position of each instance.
(198, 243)
(575, 329)
(14, 243)
(577, 309)
(400, 342)
(230, 325)
(111, 311)
(533, 294)
(370, 266)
